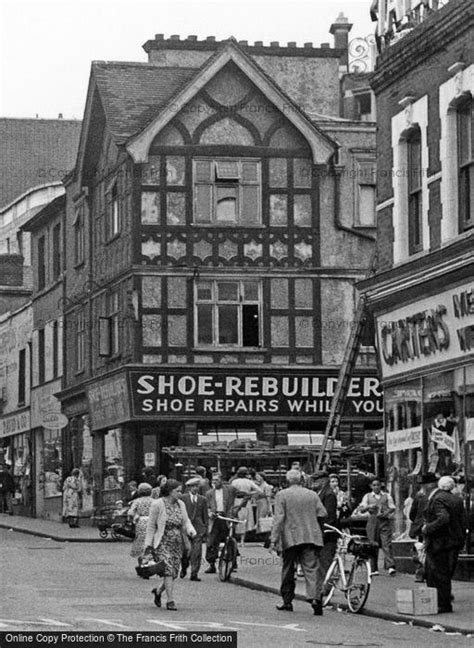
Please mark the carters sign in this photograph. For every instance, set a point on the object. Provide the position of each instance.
(239, 394)
(435, 329)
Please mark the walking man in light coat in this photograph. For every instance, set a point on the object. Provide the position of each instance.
(297, 534)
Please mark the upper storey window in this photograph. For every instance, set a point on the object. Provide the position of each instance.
(415, 206)
(466, 163)
(227, 192)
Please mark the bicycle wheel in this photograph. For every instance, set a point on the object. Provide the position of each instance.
(358, 585)
(330, 581)
(227, 559)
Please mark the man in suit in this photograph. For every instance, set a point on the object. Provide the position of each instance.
(428, 482)
(297, 534)
(445, 533)
(320, 484)
(220, 500)
(196, 506)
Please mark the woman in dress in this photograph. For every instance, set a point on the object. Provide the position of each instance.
(263, 503)
(166, 535)
(138, 513)
(72, 489)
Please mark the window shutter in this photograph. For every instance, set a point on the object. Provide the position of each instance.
(250, 210)
(202, 206)
(104, 336)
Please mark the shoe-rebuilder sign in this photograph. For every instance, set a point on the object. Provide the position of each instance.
(240, 394)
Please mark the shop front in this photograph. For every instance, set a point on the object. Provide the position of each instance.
(47, 423)
(136, 412)
(426, 350)
(17, 447)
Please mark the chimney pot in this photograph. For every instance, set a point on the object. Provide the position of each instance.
(159, 37)
(308, 45)
(60, 116)
(175, 37)
(325, 45)
(243, 42)
(258, 43)
(274, 44)
(292, 44)
(211, 39)
(192, 38)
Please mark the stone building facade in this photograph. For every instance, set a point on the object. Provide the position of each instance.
(215, 227)
(422, 293)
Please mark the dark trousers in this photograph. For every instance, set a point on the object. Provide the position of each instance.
(380, 531)
(307, 555)
(219, 532)
(6, 502)
(325, 559)
(439, 570)
(195, 557)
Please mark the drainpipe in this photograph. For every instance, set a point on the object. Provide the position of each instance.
(336, 172)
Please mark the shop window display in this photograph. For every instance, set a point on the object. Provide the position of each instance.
(52, 463)
(114, 470)
(22, 469)
(442, 410)
(403, 411)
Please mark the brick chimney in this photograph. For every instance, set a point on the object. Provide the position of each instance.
(340, 30)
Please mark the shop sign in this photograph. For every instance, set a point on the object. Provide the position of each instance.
(54, 420)
(45, 407)
(443, 440)
(241, 394)
(406, 439)
(15, 423)
(436, 329)
(108, 402)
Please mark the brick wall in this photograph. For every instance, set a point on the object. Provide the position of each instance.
(11, 270)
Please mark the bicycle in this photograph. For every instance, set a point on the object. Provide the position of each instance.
(229, 551)
(356, 585)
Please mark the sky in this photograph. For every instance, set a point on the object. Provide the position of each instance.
(46, 48)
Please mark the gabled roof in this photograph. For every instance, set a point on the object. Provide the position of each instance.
(321, 145)
(34, 152)
(139, 99)
(132, 94)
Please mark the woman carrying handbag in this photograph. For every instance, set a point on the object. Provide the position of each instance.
(168, 532)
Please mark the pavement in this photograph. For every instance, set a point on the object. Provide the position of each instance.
(260, 570)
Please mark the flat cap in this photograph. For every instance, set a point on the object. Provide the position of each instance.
(194, 481)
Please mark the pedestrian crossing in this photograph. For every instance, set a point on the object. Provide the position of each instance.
(98, 623)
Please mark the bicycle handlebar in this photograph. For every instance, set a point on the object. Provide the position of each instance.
(328, 528)
(227, 519)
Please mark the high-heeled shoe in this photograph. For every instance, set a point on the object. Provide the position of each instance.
(157, 599)
(171, 605)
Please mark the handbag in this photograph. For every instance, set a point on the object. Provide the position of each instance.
(151, 568)
(265, 524)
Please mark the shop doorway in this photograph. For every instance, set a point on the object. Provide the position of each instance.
(153, 442)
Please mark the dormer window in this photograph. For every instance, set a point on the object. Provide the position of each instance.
(227, 192)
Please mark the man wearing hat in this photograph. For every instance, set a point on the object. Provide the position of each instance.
(428, 483)
(445, 533)
(196, 507)
(320, 485)
(204, 484)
